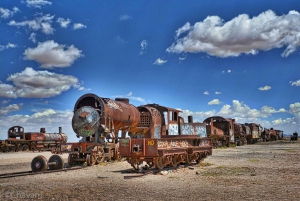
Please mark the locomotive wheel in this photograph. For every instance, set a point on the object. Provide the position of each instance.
(100, 157)
(90, 160)
(71, 162)
(135, 163)
(150, 164)
(198, 157)
(159, 163)
(25, 147)
(58, 160)
(188, 159)
(39, 164)
(173, 162)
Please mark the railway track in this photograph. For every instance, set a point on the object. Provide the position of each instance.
(26, 173)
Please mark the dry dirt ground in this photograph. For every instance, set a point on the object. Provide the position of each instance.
(264, 171)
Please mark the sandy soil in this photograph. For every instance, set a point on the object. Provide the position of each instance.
(264, 171)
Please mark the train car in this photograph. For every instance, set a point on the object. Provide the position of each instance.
(240, 136)
(273, 134)
(279, 134)
(220, 130)
(19, 140)
(253, 132)
(162, 138)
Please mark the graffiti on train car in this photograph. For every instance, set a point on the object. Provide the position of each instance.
(172, 143)
(201, 131)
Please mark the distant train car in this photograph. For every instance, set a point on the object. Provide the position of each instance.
(18, 140)
(240, 136)
(220, 130)
(253, 132)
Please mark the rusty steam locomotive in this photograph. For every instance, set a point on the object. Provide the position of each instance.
(111, 129)
(19, 140)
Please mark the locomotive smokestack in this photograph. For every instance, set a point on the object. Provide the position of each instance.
(190, 119)
(60, 130)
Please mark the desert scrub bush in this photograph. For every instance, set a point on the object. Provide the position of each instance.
(253, 160)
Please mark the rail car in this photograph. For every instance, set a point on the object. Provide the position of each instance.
(107, 126)
(164, 139)
(220, 130)
(19, 140)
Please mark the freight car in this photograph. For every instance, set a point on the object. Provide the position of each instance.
(19, 140)
(163, 139)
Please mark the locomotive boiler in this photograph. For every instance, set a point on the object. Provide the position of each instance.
(98, 120)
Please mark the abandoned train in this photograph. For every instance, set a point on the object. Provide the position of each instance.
(226, 131)
(19, 140)
(111, 129)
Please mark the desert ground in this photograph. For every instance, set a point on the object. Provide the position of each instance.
(263, 171)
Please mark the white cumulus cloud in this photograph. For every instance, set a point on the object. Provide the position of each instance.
(240, 35)
(296, 83)
(79, 26)
(6, 13)
(51, 54)
(159, 61)
(214, 102)
(37, 3)
(37, 84)
(63, 22)
(43, 23)
(265, 88)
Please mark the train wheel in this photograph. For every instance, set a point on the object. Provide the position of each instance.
(58, 160)
(150, 164)
(159, 163)
(39, 163)
(25, 147)
(197, 157)
(174, 162)
(71, 161)
(188, 159)
(135, 163)
(100, 156)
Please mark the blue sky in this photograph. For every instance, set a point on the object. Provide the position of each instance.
(237, 59)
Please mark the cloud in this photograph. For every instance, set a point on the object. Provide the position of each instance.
(265, 88)
(6, 13)
(5, 102)
(144, 45)
(214, 102)
(159, 61)
(63, 22)
(240, 35)
(8, 46)
(46, 118)
(42, 23)
(296, 83)
(295, 111)
(51, 54)
(32, 37)
(217, 92)
(36, 3)
(206, 93)
(37, 84)
(10, 108)
(197, 116)
(78, 26)
(242, 110)
(125, 17)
